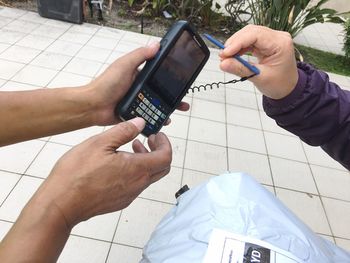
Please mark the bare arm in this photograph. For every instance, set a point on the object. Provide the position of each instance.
(26, 115)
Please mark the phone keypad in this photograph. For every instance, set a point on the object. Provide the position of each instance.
(149, 109)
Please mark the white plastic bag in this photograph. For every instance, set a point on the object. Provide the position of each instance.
(238, 204)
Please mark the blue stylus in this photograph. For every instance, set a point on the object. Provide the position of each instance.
(245, 63)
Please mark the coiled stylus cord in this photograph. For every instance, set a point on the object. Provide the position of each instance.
(217, 84)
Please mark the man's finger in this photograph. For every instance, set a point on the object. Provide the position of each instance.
(122, 133)
(160, 156)
(140, 55)
(183, 106)
(235, 67)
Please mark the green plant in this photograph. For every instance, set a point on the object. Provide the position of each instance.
(239, 13)
(346, 47)
(291, 15)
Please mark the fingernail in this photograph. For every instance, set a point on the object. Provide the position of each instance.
(138, 122)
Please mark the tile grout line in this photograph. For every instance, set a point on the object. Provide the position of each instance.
(265, 143)
(23, 174)
(114, 234)
(186, 143)
(318, 192)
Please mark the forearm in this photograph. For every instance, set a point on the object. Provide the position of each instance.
(39, 234)
(317, 111)
(33, 114)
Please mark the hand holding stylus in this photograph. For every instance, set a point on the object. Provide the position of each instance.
(276, 60)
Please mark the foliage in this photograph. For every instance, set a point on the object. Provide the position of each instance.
(291, 15)
(326, 61)
(239, 13)
(347, 38)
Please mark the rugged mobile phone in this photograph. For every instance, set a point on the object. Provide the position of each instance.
(163, 82)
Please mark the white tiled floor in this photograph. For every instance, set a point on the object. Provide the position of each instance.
(225, 129)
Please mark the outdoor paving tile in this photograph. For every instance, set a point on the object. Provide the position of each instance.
(20, 54)
(284, 146)
(292, 175)
(4, 21)
(86, 28)
(4, 228)
(136, 38)
(241, 98)
(331, 182)
(256, 165)
(51, 60)
(338, 213)
(207, 131)
(64, 48)
(206, 158)
(103, 42)
(48, 31)
(33, 17)
(24, 151)
(114, 56)
(209, 76)
(3, 47)
(164, 190)
(307, 207)
(34, 75)
(126, 253)
(215, 94)
(245, 139)
(269, 124)
(315, 155)
(208, 110)
(100, 227)
(2, 82)
(57, 23)
(94, 53)
(18, 198)
(82, 250)
(138, 221)
(193, 178)
(7, 182)
(45, 161)
(178, 126)
(83, 67)
(126, 47)
(243, 86)
(243, 116)
(179, 149)
(75, 38)
(110, 32)
(17, 86)
(36, 42)
(75, 137)
(22, 26)
(65, 79)
(11, 12)
(10, 37)
(343, 243)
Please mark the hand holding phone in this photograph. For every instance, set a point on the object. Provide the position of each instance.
(163, 82)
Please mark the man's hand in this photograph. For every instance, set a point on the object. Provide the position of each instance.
(95, 178)
(276, 60)
(91, 179)
(109, 88)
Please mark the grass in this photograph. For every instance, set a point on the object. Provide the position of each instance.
(325, 61)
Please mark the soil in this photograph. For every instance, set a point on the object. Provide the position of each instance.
(123, 17)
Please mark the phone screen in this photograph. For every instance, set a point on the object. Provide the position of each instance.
(177, 68)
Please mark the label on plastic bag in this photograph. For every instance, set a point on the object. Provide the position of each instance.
(227, 247)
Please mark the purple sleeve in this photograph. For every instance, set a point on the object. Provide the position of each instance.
(317, 111)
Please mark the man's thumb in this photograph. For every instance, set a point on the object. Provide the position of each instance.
(123, 132)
